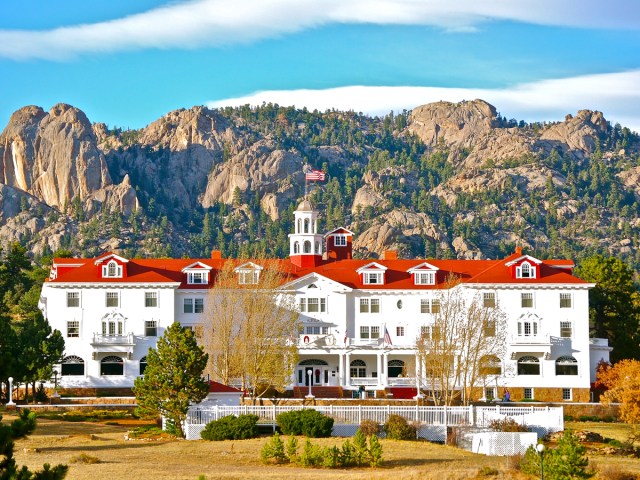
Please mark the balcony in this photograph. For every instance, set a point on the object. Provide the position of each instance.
(113, 343)
(316, 341)
(530, 343)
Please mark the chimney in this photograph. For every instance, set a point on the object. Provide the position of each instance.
(216, 254)
(519, 250)
(389, 255)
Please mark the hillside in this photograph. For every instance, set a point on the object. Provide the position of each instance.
(445, 180)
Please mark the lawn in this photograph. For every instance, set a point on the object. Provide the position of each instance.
(59, 442)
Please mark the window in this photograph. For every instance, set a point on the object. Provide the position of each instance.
(150, 299)
(248, 277)
(528, 366)
(143, 365)
(72, 365)
(375, 332)
(435, 305)
(566, 366)
(198, 305)
(296, 247)
(425, 305)
(112, 326)
(188, 305)
(113, 299)
(198, 331)
(73, 299)
(565, 329)
(526, 300)
(73, 328)
(195, 278)
(396, 368)
(112, 269)
(489, 299)
(430, 332)
(307, 246)
(151, 328)
(399, 331)
(525, 271)
(364, 332)
(565, 300)
(112, 365)
(358, 369)
(490, 365)
(364, 305)
(372, 278)
(375, 305)
(490, 393)
(369, 305)
(313, 305)
(528, 393)
(424, 278)
(528, 328)
(399, 304)
(489, 328)
(566, 394)
(340, 240)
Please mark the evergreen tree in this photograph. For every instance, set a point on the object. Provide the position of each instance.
(173, 377)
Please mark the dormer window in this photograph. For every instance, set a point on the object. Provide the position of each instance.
(525, 270)
(112, 270)
(373, 278)
(197, 278)
(340, 240)
(248, 277)
(424, 278)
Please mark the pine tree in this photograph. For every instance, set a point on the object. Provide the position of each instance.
(568, 461)
(173, 377)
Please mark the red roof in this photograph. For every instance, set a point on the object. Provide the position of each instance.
(215, 387)
(169, 271)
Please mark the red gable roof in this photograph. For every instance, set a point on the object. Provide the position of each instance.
(215, 387)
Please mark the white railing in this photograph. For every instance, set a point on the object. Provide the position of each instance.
(101, 339)
(539, 419)
(530, 339)
(363, 381)
(402, 381)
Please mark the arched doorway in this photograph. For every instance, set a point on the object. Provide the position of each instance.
(396, 368)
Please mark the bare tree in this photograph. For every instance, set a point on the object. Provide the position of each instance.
(460, 347)
(248, 327)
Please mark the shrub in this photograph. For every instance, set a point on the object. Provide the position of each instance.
(308, 422)
(567, 461)
(507, 425)
(375, 451)
(231, 428)
(311, 455)
(369, 427)
(84, 458)
(292, 449)
(487, 472)
(273, 450)
(614, 472)
(397, 428)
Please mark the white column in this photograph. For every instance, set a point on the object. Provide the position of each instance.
(11, 402)
(385, 362)
(379, 367)
(418, 376)
(347, 370)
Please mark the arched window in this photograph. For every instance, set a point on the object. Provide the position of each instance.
(490, 365)
(528, 366)
(113, 268)
(306, 225)
(299, 229)
(307, 246)
(317, 252)
(72, 365)
(112, 365)
(313, 361)
(296, 247)
(113, 325)
(143, 365)
(358, 368)
(395, 368)
(566, 366)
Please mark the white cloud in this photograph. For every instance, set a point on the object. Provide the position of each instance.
(200, 23)
(617, 95)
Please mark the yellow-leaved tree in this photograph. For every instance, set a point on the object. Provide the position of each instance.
(622, 381)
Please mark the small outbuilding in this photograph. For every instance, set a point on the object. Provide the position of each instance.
(220, 394)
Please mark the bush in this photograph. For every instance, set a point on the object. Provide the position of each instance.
(308, 422)
(274, 450)
(488, 472)
(614, 472)
(507, 425)
(567, 461)
(85, 458)
(397, 428)
(231, 428)
(369, 427)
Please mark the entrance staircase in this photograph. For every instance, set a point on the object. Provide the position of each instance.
(318, 392)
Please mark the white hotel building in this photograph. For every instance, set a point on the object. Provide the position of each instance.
(111, 310)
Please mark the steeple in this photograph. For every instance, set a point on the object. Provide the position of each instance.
(305, 244)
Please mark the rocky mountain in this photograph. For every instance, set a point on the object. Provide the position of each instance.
(456, 180)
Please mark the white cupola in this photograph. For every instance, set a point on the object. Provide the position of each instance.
(305, 244)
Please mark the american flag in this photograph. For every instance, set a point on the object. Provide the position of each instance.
(387, 337)
(315, 176)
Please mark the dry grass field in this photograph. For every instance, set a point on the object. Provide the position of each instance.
(59, 442)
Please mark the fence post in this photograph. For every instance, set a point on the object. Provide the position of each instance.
(359, 414)
(472, 420)
(446, 417)
(273, 410)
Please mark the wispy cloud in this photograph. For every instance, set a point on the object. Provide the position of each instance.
(207, 23)
(615, 94)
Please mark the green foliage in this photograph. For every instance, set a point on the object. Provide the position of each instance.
(370, 427)
(24, 425)
(566, 462)
(507, 425)
(308, 422)
(397, 428)
(231, 428)
(173, 377)
(273, 451)
(312, 455)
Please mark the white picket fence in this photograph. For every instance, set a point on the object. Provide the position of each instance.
(433, 421)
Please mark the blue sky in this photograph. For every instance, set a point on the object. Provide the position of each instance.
(128, 63)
